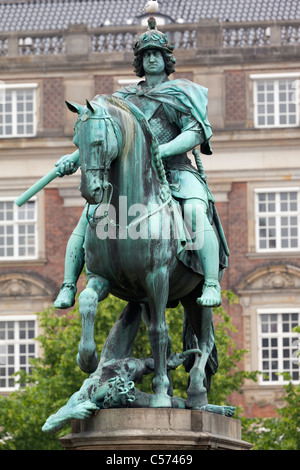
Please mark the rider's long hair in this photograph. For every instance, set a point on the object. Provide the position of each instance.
(169, 60)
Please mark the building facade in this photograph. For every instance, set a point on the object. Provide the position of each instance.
(250, 65)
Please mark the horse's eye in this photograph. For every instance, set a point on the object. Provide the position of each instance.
(97, 142)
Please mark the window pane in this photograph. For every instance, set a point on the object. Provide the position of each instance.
(260, 97)
(262, 244)
(282, 96)
(282, 108)
(282, 120)
(262, 222)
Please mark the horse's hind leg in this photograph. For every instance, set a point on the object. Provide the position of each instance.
(200, 334)
(119, 342)
(97, 289)
(157, 293)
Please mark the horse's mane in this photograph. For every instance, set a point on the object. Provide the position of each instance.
(140, 117)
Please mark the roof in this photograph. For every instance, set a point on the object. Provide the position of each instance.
(31, 15)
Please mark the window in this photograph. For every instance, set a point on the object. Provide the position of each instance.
(277, 220)
(278, 345)
(17, 347)
(18, 230)
(17, 111)
(275, 102)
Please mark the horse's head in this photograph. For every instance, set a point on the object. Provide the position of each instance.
(97, 140)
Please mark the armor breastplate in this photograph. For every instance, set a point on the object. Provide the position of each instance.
(154, 111)
(162, 128)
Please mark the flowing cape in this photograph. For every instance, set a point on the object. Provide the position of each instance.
(182, 95)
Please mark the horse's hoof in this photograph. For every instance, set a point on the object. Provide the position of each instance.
(88, 366)
(160, 401)
(197, 399)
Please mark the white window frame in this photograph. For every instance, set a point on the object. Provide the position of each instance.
(279, 334)
(17, 342)
(276, 78)
(14, 88)
(277, 214)
(15, 222)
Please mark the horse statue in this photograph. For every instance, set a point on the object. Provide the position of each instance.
(120, 162)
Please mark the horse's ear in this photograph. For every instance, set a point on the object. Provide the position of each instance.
(89, 106)
(75, 108)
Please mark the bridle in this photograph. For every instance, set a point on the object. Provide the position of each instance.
(105, 167)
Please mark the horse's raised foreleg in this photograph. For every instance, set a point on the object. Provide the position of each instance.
(201, 335)
(157, 293)
(97, 289)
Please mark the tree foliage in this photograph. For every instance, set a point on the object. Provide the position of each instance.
(281, 432)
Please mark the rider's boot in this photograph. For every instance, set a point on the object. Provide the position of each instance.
(211, 294)
(206, 247)
(66, 296)
(209, 255)
(74, 262)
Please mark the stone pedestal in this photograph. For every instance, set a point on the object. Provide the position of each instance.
(155, 429)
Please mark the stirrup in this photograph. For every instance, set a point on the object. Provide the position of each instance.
(214, 284)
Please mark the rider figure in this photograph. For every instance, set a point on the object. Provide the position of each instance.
(176, 112)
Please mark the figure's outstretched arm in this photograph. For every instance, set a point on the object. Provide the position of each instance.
(58, 420)
(68, 164)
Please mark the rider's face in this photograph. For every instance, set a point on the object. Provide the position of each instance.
(153, 62)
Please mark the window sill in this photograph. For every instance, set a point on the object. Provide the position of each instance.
(22, 263)
(18, 136)
(273, 255)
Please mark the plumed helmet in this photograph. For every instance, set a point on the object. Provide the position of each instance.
(153, 39)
